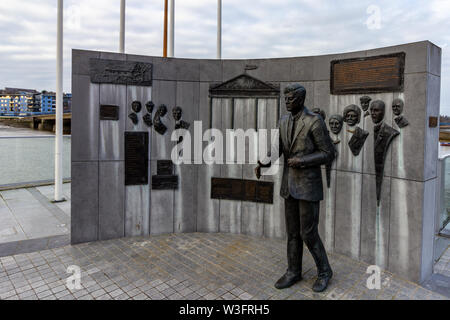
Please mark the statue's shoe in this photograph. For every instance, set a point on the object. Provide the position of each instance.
(321, 283)
(288, 279)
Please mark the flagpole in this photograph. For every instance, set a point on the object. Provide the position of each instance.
(122, 27)
(219, 29)
(59, 105)
(172, 28)
(165, 29)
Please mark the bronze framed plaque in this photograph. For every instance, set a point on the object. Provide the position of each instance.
(120, 72)
(108, 112)
(376, 74)
(136, 158)
(242, 190)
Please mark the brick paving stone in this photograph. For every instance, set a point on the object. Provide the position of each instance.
(189, 266)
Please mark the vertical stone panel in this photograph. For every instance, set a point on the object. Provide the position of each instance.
(405, 235)
(327, 211)
(161, 218)
(111, 134)
(375, 222)
(85, 119)
(185, 206)
(111, 200)
(348, 214)
(84, 199)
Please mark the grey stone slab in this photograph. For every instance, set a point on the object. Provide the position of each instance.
(187, 69)
(85, 119)
(432, 134)
(348, 214)
(31, 245)
(428, 235)
(139, 58)
(408, 149)
(233, 68)
(162, 203)
(211, 70)
(84, 212)
(367, 124)
(405, 234)
(164, 68)
(164, 92)
(375, 222)
(279, 69)
(137, 210)
(111, 200)
(8, 248)
(80, 61)
(434, 59)
(185, 206)
(327, 211)
(113, 56)
(302, 69)
(207, 208)
(111, 136)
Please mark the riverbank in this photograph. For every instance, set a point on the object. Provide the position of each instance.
(18, 129)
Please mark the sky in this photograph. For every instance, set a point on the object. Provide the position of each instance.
(250, 29)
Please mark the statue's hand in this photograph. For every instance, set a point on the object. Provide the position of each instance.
(294, 162)
(258, 171)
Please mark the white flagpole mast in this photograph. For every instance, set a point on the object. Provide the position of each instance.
(59, 105)
(219, 29)
(122, 27)
(172, 28)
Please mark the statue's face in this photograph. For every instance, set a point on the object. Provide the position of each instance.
(162, 110)
(176, 114)
(294, 101)
(365, 104)
(377, 113)
(136, 106)
(352, 118)
(397, 107)
(335, 125)
(150, 105)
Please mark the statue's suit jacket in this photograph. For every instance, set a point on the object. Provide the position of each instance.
(312, 144)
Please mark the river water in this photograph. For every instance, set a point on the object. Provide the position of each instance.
(27, 155)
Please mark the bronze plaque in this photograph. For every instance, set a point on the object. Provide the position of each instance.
(120, 72)
(242, 190)
(164, 167)
(432, 122)
(108, 112)
(368, 75)
(136, 158)
(164, 182)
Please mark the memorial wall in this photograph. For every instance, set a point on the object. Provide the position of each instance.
(381, 108)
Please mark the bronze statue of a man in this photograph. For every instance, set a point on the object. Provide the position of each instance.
(306, 145)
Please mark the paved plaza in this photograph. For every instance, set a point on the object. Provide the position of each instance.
(186, 266)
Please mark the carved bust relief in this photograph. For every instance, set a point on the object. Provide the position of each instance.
(352, 115)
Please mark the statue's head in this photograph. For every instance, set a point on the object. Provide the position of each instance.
(336, 122)
(377, 109)
(352, 114)
(397, 106)
(176, 113)
(294, 96)
(320, 112)
(136, 106)
(150, 105)
(365, 101)
(162, 110)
